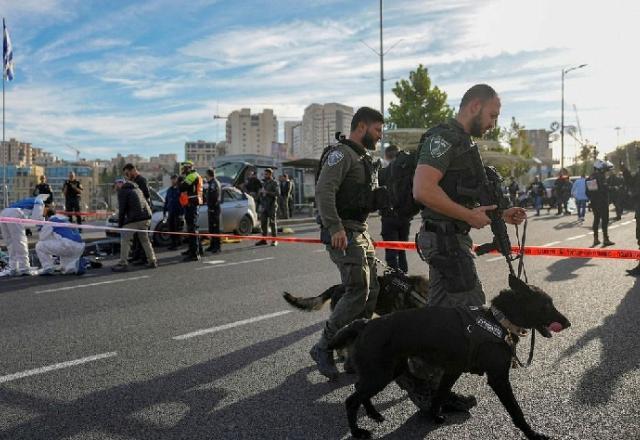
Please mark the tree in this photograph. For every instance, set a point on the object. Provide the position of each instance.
(421, 105)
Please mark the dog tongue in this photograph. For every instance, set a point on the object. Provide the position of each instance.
(555, 327)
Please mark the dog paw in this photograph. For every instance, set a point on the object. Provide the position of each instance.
(360, 433)
(437, 417)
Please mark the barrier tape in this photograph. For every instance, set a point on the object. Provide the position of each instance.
(86, 214)
(618, 254)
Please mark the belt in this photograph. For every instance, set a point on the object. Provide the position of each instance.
(445, 226)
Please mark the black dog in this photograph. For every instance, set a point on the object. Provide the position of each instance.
(462, 339)
(397, 292)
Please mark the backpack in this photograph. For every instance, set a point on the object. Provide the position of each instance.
(399, 182)
(592, 185)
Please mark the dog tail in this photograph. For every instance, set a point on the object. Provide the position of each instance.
(308, 304)
(346, 335)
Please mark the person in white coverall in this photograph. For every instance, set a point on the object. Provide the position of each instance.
(14, 234)
(63, 242)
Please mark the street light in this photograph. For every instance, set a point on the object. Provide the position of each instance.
(564, 72)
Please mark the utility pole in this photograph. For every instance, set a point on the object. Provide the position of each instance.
(381, 65)
(564, 72)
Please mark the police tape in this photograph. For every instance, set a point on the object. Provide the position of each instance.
(86, 214)
(618, 254)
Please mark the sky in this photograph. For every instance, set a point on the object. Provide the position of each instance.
(143, 77)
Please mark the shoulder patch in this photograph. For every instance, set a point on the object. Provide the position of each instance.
(438, 146)
(335, 157)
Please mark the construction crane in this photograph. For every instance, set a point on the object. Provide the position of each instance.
(76, 151)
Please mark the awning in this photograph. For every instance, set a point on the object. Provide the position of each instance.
(308, 163)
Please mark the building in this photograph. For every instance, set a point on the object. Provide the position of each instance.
(251, 134)
(296, 142)
(202, 153)
(319, 124)
(539, 141)
(163, 163)
(18, 153)
(289, 134)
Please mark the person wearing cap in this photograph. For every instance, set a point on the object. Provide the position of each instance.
(598, 193)
(269, 195)
(133, 213)
(213, 197)
(15, 237)
(173, 211)
(62, 242)
(190, 198)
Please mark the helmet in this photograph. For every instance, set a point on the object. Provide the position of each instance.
(187, 164)
(602, 165)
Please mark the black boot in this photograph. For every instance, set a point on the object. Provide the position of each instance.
(607, 242)
(323, 357)
(635, 271)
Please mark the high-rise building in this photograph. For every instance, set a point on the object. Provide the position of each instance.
(251, 134)
(289, 127)
(202, 153)
(14, 152)
(319, 124)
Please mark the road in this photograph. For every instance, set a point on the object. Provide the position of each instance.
(209, 350)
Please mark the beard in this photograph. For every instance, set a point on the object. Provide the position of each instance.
(368, 142)
(475, 129)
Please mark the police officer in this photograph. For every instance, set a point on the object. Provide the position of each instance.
(632, 181)
(448, 163)
(598, 193)
(190, 199)
(269, 194)
(345, 184)
(213, 196)
(44, 188)
(72, 190)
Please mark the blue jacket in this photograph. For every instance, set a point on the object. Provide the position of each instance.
(579, 189)
(172, 202)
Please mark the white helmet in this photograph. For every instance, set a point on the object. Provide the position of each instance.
(603, 165)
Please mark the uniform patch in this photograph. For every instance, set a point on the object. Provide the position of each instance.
(335, 157)
(438, 146)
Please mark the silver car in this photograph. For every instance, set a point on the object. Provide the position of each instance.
(238, 212)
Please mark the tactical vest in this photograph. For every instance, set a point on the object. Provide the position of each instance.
(454, 180)
(193, 196)
(355, 201)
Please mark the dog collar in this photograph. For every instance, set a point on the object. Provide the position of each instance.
(509, 326)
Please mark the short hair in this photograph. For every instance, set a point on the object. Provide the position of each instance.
(367, 115)
(483, 92)
(129, 167)
(211, 172)
(174, 176)
(391, 151)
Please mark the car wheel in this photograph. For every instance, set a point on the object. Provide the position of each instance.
(160, 239)
(245, 226)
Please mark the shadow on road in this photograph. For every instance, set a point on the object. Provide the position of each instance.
(619, 352)
(567, 225)
(564, 269)
(116, 411)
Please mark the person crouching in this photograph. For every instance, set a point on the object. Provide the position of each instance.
(64, 242)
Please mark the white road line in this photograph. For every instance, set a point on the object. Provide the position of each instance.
(626, 223)
(80, 286)
(495, 258)
(320, 250)
(214, 262)
(614, 226)
(576, 237)
(235, 263)
(230, 325)
(61, 365)
(553, 243)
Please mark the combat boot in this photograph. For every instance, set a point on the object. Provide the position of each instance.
(323, 357)
(635, 271)
(607, 242)
(596, 242)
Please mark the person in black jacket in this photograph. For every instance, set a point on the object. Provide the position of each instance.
(72, 190)
(173, 211)
(213, 196)
(598, 193)
(138, 257)
(133, 213)
(44, 188)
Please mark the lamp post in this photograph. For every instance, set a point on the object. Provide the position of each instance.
(564, 72)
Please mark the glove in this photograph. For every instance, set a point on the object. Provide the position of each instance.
(42, 197)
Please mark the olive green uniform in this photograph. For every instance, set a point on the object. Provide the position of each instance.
(447, 148)
(343, 185)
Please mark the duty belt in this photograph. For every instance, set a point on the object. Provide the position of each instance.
(445, 226)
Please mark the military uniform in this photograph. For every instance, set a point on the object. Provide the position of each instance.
(343, 196)
(448, 148)
(269, 207)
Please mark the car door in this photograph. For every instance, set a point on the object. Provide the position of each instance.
(232, 207)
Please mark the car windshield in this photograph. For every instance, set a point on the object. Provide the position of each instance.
(229, 171)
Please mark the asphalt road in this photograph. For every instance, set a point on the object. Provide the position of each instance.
(210, 350)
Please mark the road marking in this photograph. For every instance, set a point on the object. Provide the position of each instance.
(553, 243)
(79, 286)
(255, 260)
(59, 366)
(214, 262)
(626, 223)
(576, 237)
(614, 226)
(495, 258)
(230, 325)
(320, 250)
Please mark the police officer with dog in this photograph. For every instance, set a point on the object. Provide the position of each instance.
(446, 174)
(632, 182)
(346, 192)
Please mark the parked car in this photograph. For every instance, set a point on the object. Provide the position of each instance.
(238, 211)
